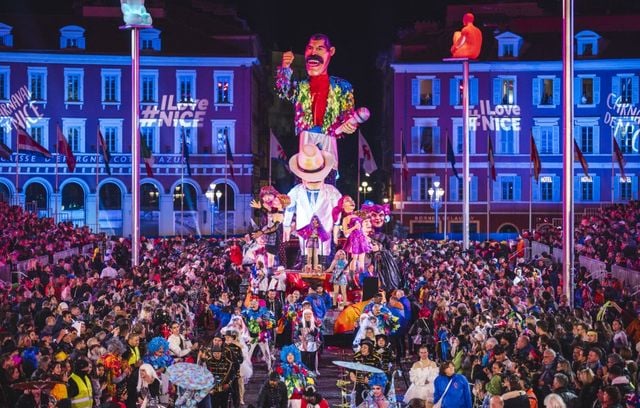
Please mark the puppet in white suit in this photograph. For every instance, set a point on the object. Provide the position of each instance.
(312, 196)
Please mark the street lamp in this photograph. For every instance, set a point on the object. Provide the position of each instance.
(210, 194)
(364, 189)
(435, 198)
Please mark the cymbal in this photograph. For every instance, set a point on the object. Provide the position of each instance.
(35, 385)
(350, 365)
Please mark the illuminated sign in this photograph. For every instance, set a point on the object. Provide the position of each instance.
(546, 179)
(500, 117)
(626, 122)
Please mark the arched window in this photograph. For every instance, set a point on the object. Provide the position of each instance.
(185, 198)
(149, 197)
(36, 192)
(5, 193)
(110, 197)
(508, 229)
(221, 203)
(72, 197)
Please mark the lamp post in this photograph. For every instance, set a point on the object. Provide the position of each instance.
(210, 194)
(218, 195)
(364, 189)
(435, 198)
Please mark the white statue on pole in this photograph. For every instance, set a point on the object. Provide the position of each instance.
(135, 13)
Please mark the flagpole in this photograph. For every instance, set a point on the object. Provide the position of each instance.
(613, 173)
(182, 190)
(488, 200)
(97, 182)
(402, 197)
(271, 136)
(358, 178)
(55, 157)
(17, 201)
(531, 188)
(226, 173)
(446, 191)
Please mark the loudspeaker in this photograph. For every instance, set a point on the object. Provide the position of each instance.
(369, 288)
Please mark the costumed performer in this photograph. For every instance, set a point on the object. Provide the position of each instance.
(295, 375)
(260, 322)
(422, 375)
(313, 234)
(159, 358)
(376, 398)
(357, 244)
(323, 104)
(360, 379)
(385, 266)
(272, 231)
(312, 196)
(338, 270)
(308, 339)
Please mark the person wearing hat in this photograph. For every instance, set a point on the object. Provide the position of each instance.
(223, 371)
(273, 393)
(367, 356)
(312, 196)
(79, 387)
(311, 398)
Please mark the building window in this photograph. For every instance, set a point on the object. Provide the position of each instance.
(456, 90)
(587, 135)
(223, 87)
(150, 40)
(5, 131)
(507, 188)
(457, 139)
(626, 190)
(625, 137)
(6, 38)
(425, 140)
(38, 129)
(420, 186)
(150, 136)
(72, 37)
(587, 90)
(546, 189)
(546, 140)
(506, 142)
(586, 188)
(111, 86)
(112, 132)
(4, 83)
(587, 43)
(625, 88)
(508, 45)
(222, 131)
(546, 91)
(504, 91)
(149, 86)
(186, 86)
(74, 130)
(189, 135)
(74, 85)
(425, 92)
(37, 80)
(455, 188)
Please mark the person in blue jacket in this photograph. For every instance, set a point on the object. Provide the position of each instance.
(453, 389)
(320, 301)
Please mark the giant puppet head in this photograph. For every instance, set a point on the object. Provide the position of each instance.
(318, 54)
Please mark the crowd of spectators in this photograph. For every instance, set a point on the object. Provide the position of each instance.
(502, 321)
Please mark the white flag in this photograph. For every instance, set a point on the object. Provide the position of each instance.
(366, 155)
(275, 148)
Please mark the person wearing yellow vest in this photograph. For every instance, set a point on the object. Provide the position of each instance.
(132, 355)
(79, 386)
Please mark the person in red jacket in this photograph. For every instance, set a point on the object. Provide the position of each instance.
(311, 398)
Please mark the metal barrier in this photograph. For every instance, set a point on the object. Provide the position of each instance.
(537, 248)
(28, 264)
(556, 254)
(628, 276)
(597, 269)
(87, 249)
(5, 273)
(65, 254)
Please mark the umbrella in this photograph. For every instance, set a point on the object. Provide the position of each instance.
(350, 365)
(190, 376)
(347, 318)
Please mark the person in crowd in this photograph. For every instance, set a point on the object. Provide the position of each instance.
(308, 340)
(179, 346)
(79, 387)
(422, 376)
(311, 398)
(293, 373)
(273, 393)
(453, 389)
(366, 355)
(376, 397)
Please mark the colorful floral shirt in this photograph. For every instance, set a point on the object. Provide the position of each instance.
(259, 331)
(340, 103)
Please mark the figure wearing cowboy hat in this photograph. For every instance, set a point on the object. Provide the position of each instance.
(312, 196)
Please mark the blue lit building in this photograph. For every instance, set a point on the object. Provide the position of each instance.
(199, 69)
(515, 93)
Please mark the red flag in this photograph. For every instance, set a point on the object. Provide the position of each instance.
(405, 163)
(229, 158)
(535, 159)
(28, 144)
(580, 157)
(617, 153)
(276, 150)
(64, 148)
(104, 149)
(492, 160)
(5, 151)
(365, 154)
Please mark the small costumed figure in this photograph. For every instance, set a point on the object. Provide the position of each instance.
(260, 322)
(294, 374)
(116, 368)
(314, 234)
(159, 358)
(357, 244)
(308, 339)
(266, 207)
(338, 269)
(376, 399)
(272, 231)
